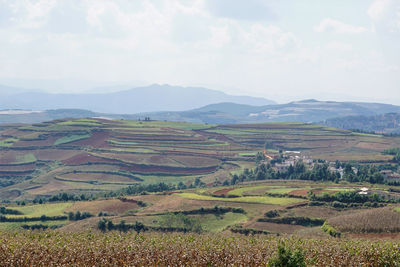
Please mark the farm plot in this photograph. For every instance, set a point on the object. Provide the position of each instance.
(111, 206)
(52, 209)
(98, 177)
(380, 220)
(248, 199)
(16, 158)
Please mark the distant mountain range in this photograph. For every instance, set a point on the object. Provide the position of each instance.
(348, 115)
(299, 111)
(141, 99)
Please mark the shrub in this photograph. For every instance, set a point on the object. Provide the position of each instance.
(288, 258)
(272, 214)
(330, 230)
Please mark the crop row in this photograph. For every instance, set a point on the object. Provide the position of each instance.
(113, 248)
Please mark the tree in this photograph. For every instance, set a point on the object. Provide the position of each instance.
(138, 227)
(102, 225)
(110, 225)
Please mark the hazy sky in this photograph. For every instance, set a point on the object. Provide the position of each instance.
(282, 50)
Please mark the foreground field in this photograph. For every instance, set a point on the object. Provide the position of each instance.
(266, 207)
(116, 249)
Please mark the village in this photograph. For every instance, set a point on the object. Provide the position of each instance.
(282, 161)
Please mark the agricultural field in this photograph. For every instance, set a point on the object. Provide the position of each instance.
(74, 175)
(98, 155)
(155, 249)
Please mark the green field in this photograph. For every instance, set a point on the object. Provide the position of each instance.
(249, 199)
(38, 210)
(71, 138)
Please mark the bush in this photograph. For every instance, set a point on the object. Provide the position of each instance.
(78, 215)
(272, 214)
(304, 221)
(330, 230)
(288, 258)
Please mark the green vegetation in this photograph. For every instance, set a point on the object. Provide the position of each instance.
(71, 138)
(77, 216)
(304, 221)
(250, 199)
(51, 209)
(330, 230)
(26, 158)
(8, 142)
(288, 258)
(181, 222)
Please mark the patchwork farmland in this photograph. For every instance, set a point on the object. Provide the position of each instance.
(97, 155)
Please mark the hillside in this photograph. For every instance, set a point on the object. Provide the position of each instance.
(98, 155)
(384, 123)
(141, 99)
(299, 111)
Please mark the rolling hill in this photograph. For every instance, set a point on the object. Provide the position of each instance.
(299, 111)
(384, 123)
(99, 155)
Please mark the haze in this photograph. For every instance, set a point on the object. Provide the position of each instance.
(281, 50)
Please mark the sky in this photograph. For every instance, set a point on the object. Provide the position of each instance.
(278, 49)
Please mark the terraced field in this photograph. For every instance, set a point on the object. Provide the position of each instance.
(97, 155)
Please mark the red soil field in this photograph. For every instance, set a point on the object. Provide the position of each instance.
(26, 167)
(98, 140)
(166, 170)
(54, 154)
(156, 137)
(196, 161)
(223, 191)
(115, 206)
(85, 158)
(7, 157)
(103, 177)
(299, 192)
(49, 141)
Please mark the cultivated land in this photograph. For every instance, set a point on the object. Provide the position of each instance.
(95, 155)
(95, 160)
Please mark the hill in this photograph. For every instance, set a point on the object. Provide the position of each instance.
(141, 99)
(388, 123)
(299, 111)
(100, 155)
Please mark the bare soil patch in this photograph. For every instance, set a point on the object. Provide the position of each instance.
(114, 206)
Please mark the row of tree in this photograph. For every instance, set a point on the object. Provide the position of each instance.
(320, 172)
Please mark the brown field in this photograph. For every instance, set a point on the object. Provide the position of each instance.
(222, 191)
(17, 168)
(299, 192)
(7, 157)
(380, 220)
(100, 177)
(54, 154)
(176, 249)
(275, 227)
(85, 158)
(114, 206)
(97, 139)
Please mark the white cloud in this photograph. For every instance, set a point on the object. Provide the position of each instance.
(378, 9)
(187, 42)
(385, 15)
(335, 26)
(339, 46)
